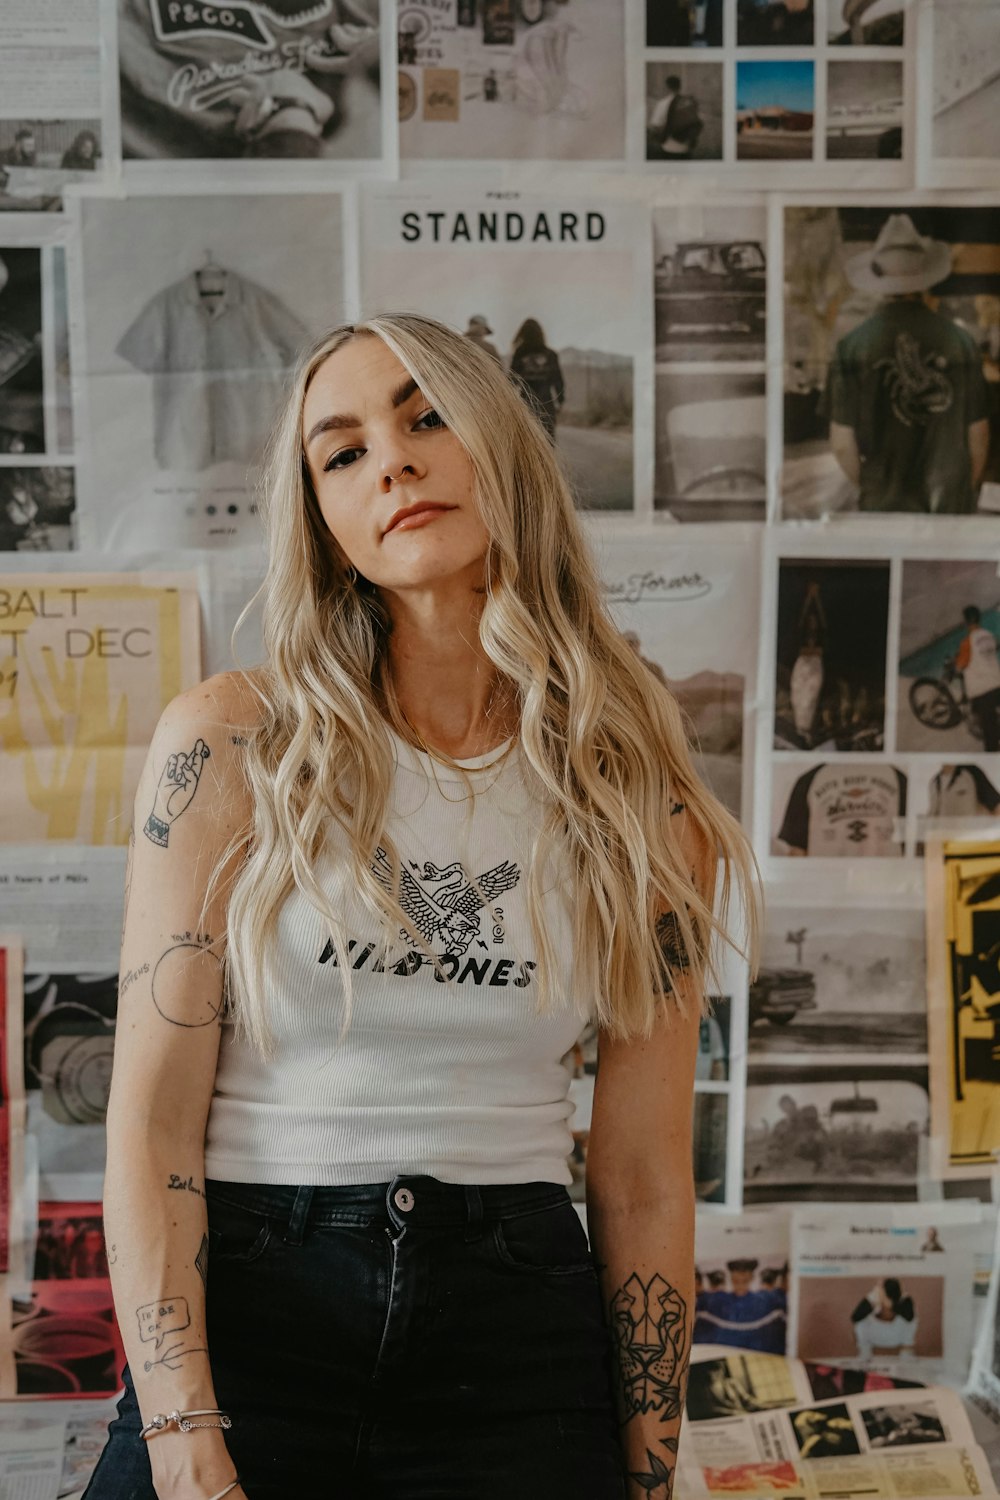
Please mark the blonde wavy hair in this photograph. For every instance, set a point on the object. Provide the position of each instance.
(604, 738)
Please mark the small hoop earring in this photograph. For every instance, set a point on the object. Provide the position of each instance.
(352, 575)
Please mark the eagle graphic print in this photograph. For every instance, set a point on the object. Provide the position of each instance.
(446, 907)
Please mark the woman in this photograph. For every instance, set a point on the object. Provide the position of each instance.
(885, 1322)
(537, 371)
(450, 820)
(82, 155)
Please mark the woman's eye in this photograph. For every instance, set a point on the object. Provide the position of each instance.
(438, 420)
(340, 460)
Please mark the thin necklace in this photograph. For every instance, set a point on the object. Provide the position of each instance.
(444, 760)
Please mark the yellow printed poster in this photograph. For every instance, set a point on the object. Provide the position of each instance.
(963, 975)
(87, 664)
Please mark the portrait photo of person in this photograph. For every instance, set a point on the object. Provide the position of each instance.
(892, 389)
(684, 112)
(885, 1321)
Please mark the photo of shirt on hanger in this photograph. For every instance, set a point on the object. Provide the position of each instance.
(252, 78)
(197, 307)
(218, 347)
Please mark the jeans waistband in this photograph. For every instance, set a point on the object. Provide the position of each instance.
(415, 1200)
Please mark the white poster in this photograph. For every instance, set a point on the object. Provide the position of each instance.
(195, 311)
(524, 79)
(517, 273)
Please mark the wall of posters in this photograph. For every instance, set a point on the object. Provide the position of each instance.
(741, 261)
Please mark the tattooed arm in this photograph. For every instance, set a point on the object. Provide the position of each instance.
(640, 1213)
(189, 804)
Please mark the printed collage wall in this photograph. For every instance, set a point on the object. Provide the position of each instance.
(742, 260)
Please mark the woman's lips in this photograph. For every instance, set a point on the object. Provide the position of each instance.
(420, 517)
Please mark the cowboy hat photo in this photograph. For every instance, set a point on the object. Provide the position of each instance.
(900, 261)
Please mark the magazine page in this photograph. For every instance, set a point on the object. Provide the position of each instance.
(887, 1288)
(51, 104)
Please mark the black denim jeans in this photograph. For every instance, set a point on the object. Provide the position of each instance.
(410, 1340)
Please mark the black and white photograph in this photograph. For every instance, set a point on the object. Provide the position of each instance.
(250, 82)
(69, 1032)
(824, 1431)
(845, 810)
(196, 310)
(966, 101)
(866, 23)
(22, 411)
(892, 361)
(684, 23)
(519, 278)
(711, 445)
(830, 668)
(37, 508)
(903, 1426)
(685, 623)
(948, 691)
(775, 23)
(710, 282)
(961, 795)
(847, 1133)
(531, 81)
(775, 109)
(864, 111)
(839, 980)
(684, 112)
(711, 1125)
(39, 157)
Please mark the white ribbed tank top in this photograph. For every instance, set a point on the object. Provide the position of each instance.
(460, 1079)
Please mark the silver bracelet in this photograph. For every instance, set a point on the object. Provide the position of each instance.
(227, 1491)
(163, 1419)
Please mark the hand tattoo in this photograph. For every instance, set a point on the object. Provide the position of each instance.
(177, 786)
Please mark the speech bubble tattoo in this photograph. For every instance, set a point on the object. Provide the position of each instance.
(178, 783)
(157, 1319)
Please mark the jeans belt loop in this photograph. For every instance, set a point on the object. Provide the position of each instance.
(299, 1216)
(474, 1211)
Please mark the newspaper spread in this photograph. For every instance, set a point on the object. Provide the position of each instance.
(50, 1448)
(51, 130)
(779, 1440)
(887, 1287)
(963, 987)
(87, 664)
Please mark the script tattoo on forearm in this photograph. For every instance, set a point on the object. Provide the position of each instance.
(177, 785)
(187, 984)
(648, 1324)
(178, 1184)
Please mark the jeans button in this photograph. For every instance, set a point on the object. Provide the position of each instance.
(403, 1200)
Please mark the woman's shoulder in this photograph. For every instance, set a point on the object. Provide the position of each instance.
(226, 706)
(199, 742)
